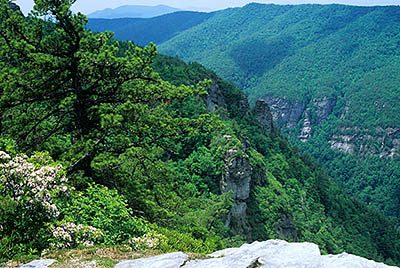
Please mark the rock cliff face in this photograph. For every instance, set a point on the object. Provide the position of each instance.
(238, 176)
(324, 107)
(237, 179)
(384, 142)
(284, 112)
(216, 98)
(377, 141)
(306, 130)
(288, 114)
(264, 116)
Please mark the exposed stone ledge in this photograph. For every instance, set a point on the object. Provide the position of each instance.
(170, 260)
(271, 254)
(38, 264)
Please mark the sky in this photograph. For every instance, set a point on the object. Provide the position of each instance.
(89, 6)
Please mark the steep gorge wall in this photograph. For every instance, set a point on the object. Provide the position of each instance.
(301, 118)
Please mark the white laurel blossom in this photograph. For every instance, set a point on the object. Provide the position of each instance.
(33, 185)
(68, 234)
(148, 241)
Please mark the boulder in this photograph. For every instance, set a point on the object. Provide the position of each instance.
(272, 253)
(170, 260)
(38, 264)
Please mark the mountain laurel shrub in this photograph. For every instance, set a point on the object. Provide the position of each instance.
(29, 190)
(107, 211)
(40, 210)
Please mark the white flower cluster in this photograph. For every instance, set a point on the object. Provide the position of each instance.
(32, 185)
(68, 234)
(148, 241)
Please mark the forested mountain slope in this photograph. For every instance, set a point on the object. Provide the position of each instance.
(106, 143)
(330, 75)
(144, 31)
(296, 194)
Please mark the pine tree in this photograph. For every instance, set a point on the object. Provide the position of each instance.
(66, 90)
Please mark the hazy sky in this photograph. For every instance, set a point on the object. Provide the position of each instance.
(88, 6)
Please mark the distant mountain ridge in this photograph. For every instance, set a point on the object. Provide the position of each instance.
(143, 31)
(133, 11)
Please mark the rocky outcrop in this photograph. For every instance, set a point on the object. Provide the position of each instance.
(324, 107)
(236, 179)
(278, 253)
(239, 178)
(306, 130)
(389, 142)
(38, 264)
(264, 116)
(287, 228)
(284, 112)
(287, 113)
(384, 142)
(171, 260)
(216, 98)
(271, 254)
(343, 143)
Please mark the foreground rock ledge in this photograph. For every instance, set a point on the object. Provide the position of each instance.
(271, 254)
(38, 264)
